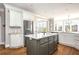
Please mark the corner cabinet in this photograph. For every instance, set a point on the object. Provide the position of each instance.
(15, 18)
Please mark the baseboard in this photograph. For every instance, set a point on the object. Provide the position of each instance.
(17, 47)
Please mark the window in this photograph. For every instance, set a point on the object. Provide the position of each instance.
(67, 28)
(74, 28)
(74, 25)
(58, 25)
(60, 28)
(55, 27)
(71, 25)
(41, 26)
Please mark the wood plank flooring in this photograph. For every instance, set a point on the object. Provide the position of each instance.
(66, 50)
(12, 51)
(62, 50)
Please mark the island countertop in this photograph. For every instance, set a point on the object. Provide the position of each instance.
(40, 35)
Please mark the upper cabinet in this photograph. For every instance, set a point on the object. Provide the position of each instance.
(15, 18)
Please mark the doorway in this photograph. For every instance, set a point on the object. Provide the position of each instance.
(2, 26)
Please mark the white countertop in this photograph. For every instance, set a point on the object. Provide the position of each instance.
(40, 35)
(66, 32)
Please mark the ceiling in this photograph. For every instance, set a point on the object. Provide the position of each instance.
(50, 10)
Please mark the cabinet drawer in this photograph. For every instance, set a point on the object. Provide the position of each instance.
(51, 38)
(43, 40)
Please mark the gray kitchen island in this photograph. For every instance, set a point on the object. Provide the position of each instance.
(41, 43)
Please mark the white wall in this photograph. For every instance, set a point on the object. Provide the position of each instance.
(27, 15)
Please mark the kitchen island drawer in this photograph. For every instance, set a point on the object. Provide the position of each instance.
(44, 40)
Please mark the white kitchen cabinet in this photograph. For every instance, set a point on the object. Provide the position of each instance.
(16, 40)
(15, 18)
(76, 45)
(67, 39)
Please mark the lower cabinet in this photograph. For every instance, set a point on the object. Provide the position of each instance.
(52, 46)
(16, 40)
(76, 42)
(43, 49)
(69, 39)
(42, 46)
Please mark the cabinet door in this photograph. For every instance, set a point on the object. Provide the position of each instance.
(43, 50)
(50, 46)
(16, 40)
(67, 39)
(43, 46)
(76, 41)
(52, 43)
(15, 18)
(77, 44)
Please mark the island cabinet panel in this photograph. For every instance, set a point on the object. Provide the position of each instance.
(51, 43)
(43, 49)
(41, 46)
(33, 47)
(44, 40)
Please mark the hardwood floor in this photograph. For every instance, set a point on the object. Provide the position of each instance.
(66, 50)
(13, 51)
(62, 50)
